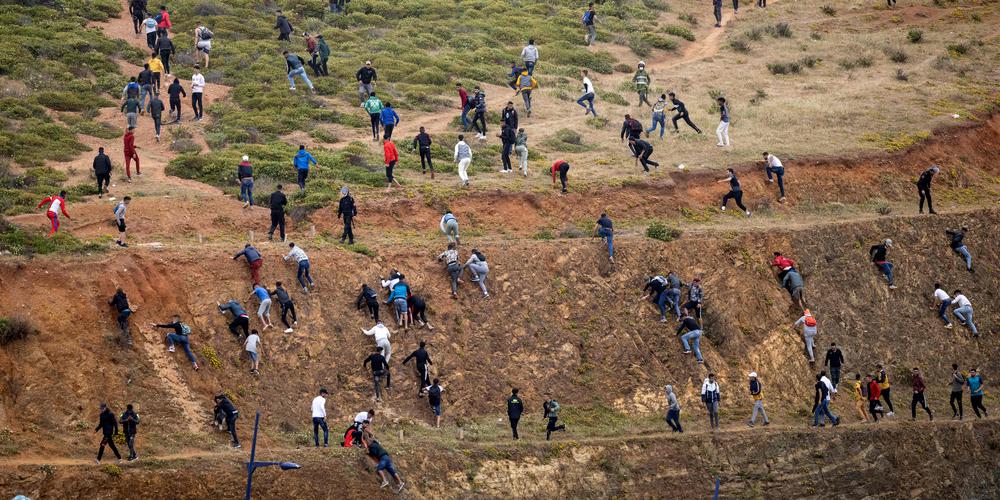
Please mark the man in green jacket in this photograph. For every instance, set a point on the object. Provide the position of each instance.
(642, 81)
(324, 55)
(374, 108)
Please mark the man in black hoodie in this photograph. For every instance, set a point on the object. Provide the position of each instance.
(130, 420)
(165, 47)
(283, 26)
(347, 210)
(156, 112)
(109, 425)
(145, 81)
(834, 359)
(380, 368)
(507, 139)
(226, 407)
(515, 406)
(175, 91)
(277, 204)
(287, 306)
(682, 113)
(138, 10)
(423, 359)
(102, 170)
(422, 143)
(121, 305)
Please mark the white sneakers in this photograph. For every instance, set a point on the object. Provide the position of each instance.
(288, 330)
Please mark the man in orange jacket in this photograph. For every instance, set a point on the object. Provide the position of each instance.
(131, 154)
(391, 157)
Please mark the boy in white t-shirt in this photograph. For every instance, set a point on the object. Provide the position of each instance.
(253, 346)
(942, 301)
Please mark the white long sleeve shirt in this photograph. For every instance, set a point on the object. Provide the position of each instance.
(297, 253)
(362, 417)
(709, 386)
(319, 407)
(773, 161)
(961, 301)
(197, 83)
(380, 332)
(588, 87)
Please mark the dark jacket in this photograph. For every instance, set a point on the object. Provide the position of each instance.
(925, 179)
(367, 296)
(678, 106)
(834, 358)
(631, 128)
(282, 295)
(421, 356)
(175, 91)
(102, 164)
(507, 135)
(129, 420)
(346, 208)
(278, 202)
(244, 170)
(366, 75)
(878, 253)
(377, 361)
(145, 77)
(282, 25)
(155, 107)
(119, 301)
(164, 43)
(423, 140)
(107, 423)
(510, 118)
(956, 238)
(251, 253)
(226, 406)
(515, 406)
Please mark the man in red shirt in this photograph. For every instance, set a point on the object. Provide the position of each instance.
(56, 204)
(131, 154)
(391, 157)
(463, 96)
(918, 395)
(874, 393)
(561, 166)
(784, 264)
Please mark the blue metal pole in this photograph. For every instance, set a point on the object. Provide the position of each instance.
(251, 465)
(716, 497)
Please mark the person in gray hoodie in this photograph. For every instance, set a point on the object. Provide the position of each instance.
(793, 283)
(673, 410)
(479, 269)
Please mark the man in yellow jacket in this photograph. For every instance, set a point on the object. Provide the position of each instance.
(524, 84)
(883, 383)
(156, 66)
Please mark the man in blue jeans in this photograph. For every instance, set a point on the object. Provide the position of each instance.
(605, 230)
(588, 96)
(180, 336)
(294, 67)
(383, 462)
(693, 335)
(958, 246)
(302, 259)
(319, 418)
(774, 168)
(943, 301)
(878, 256)
(821, 405)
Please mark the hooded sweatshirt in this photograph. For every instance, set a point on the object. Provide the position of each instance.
(303, 159)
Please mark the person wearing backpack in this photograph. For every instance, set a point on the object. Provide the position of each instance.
(149, 25)
(294, 67)
(809, 332)
(120, 209)
(589, 21)
(479, 118)
(757, 394)
(551, 411)
(711, 395)
(283, 26)
(180, 336)
(434, 399)
(163, 23)
(130, 421)
(631, 129)
(132, 89)
(203, 42)
(659, 116)
(373, 106)
(479, 269)
(525, 85)
(642, 81)
(137, 8)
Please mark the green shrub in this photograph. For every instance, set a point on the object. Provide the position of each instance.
(957, 49)
(660, 231)
(19, 242)
(739, 45)
(13, 329)
(915, 35)
(780, 30)
(784, 68)
(688, 18)
(566, 141)
(897, 55)
(362, 249)
(680, 31)
(755, 34)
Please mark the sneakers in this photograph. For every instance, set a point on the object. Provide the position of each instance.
(384, 484)
(170, 348)
(663, 319)
(400, 487)
(288, 330)
(291, 88)
(237, 445)
(949, 326)
(749, 424)
(687, 351)
(891, 287)
(889, 414)
(723, 208)
(748, 213)
(305, 290)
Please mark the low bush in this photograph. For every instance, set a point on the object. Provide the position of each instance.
(688, 18)
(660, 231)
(902, 76)
(14, 329)
(828, 10)
(780, 30)
(566, 141)
(679, 31)
(784, 68)
(739, 45)
(957, 49)
(915, 35)
(897, 55)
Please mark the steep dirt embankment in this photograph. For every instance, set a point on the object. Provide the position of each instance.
(560, 319)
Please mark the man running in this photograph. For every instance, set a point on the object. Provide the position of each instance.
(120, 220)
(294, 66)
(241, 320)
(463, 156)
(120, 302)
(287, 306)
(884, 387)
(156, 112)
(108, 424)
(551, 411)
(319, 418)
(525, 84)
(774, 168)
(834, 359)
(682, 113)
(264, 309)
(659, 116)
(589, 25)
(389, 120)
(958, 246)
(449, 226)
(808, 323)
(347, 210)
(757, 394)
(130, 421)
(373, 106)
(711, 395)
(821, 404)
(963, 312)
(367, 77)
(796, 289)
(692, 337)
(924, 188)
(175, 91)
(131, 152)
(605, 230)
(197, 90)
(149, 26)
(562, 168)
(631, 129)
(918, 396)
(976, 392)
(735, 191)
(642, 81)
(957, 384)
(422, 143)
(57, 205)
(283, 26)
(515, 407)
(874, 393)
(673, 410)
(434, 400)
(507, 140)
(479, 118)
(102, 170)
(380, 368)
(180, 336)
(588, 95)
(879, 258)
(391, 155)
(642, 150)
(296, 252)
(422, 360)
(277, 202)
(231, 414)
(252, 346)
(301, 162)
(722, 131)
(254, 260)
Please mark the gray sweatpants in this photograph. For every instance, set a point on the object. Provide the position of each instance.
(758, 406)
(479, 272)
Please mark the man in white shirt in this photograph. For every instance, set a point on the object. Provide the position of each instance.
(197, 88)
(303, 260)
(381, 334)
(319, 418)
(963, 311)
(942, 301)
(253, 345)
(463, 156)
(588, 96)
(529, 55)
